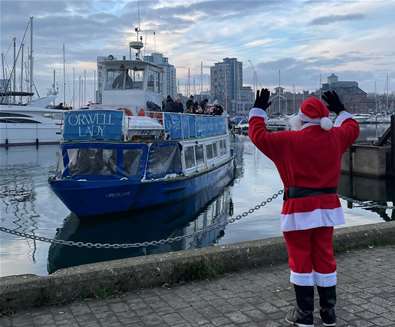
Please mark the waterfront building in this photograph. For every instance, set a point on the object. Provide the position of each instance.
(245, 101)
(353, 98)
(226, 80)
(169, 73)
(285, 102)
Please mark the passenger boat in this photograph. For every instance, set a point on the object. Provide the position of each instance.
(204, 215)
(112, 162)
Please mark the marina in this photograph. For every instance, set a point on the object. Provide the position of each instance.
(28, 205)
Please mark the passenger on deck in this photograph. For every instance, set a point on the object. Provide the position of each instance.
(189, 104)
(178, 106)
(169, 105)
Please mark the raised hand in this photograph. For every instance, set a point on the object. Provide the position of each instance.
(333, 102)
(262, 99)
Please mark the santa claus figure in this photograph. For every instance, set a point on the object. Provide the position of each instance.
(308, 160)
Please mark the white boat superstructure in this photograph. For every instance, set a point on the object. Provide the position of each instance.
(29, 125)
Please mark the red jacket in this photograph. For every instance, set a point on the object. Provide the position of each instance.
(307, 158)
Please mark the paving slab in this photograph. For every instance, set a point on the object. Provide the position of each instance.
(256, 297)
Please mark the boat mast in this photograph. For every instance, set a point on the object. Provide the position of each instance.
(64, 76)
(387, 92)
(279, 88)
(73, 87)
(14, 71)
(22, 45)
(31, 57)
(94, 86)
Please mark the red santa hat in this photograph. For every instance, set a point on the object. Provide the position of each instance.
(315, 111)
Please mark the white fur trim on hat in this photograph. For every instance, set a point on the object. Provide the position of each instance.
(326, 123)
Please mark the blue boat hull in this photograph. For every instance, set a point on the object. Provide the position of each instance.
(103, 197)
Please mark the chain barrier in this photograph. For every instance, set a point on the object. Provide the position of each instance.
(140, 244)
(170, 239)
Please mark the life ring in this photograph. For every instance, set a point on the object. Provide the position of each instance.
(141, 112)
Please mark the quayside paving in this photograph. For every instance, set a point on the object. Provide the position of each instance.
(256, 297)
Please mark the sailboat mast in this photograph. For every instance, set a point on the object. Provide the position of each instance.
(64, 76)
(22, 45)
(31, 57)
(14, 70)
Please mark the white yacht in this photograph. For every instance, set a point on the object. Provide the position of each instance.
(31, 124)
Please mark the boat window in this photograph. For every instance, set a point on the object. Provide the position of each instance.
(215, 150)
(157, 81)
(131, 161)
(151, 82)
(11, 114)
(199, 154)
(137, 78)
(164, 158)
(92, 161)
(209, 151)
(222, 147)
(189, 157)
(124, 78)
(18, 121)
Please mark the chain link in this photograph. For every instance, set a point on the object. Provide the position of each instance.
(169, 239)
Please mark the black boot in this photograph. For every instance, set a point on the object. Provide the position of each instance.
(327, 303)
(302, 314)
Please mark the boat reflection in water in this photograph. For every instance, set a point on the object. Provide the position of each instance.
(372, 190)
(207, 211)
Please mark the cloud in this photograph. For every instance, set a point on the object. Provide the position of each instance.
(325, 20)
(258, 43)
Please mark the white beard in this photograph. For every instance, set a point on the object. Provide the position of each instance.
(295, 123)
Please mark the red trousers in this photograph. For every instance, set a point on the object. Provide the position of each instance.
(310, 256)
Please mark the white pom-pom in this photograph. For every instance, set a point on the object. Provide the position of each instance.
(326, 123)
(295, 123)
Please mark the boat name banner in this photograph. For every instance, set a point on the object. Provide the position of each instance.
(93, 125)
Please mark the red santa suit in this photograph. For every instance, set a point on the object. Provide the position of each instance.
(308, 160)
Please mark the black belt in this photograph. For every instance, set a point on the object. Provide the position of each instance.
(301, 192)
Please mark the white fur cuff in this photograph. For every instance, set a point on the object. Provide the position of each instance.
(257, 112)
(344, 115)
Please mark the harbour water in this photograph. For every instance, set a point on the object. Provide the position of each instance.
(28, 205)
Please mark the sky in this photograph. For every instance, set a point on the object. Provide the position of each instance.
(305, 39)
